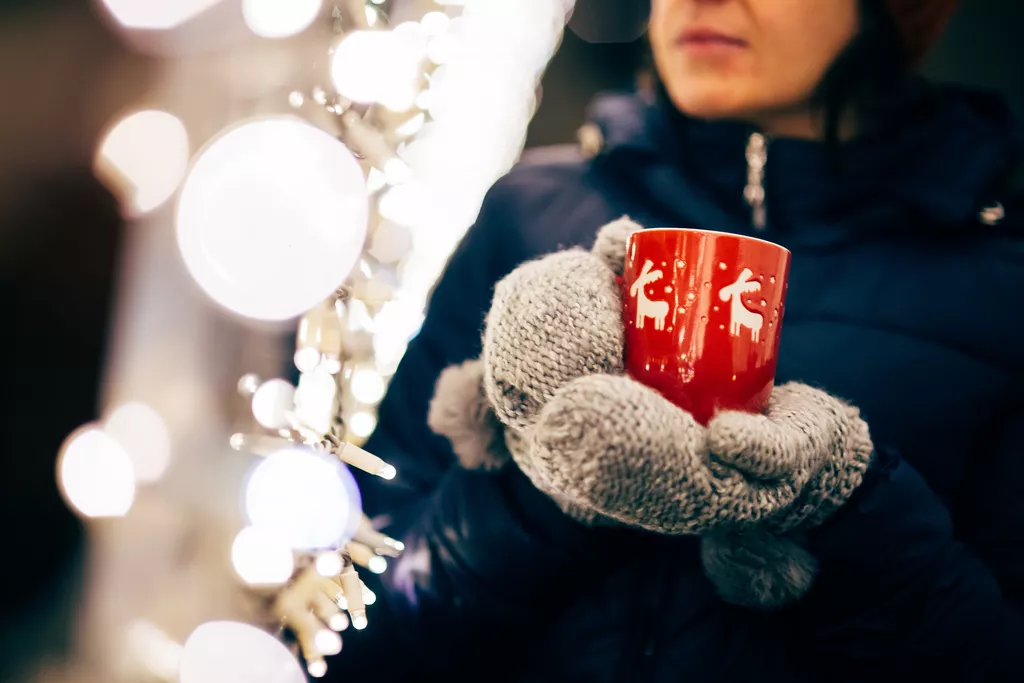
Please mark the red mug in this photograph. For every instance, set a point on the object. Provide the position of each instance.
(703, 315)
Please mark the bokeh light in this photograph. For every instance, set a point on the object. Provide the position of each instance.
(155, 14)
(377, 66)
(434, 23)
(412, 126)
(327, 642)
(262, 557)
(144, 436)
(315, 399)
(390, 242)
(230, 652)
(307, 358)
(362, 424)
(367, 386)
(272, 217)
(271, 403)
(96, 474)
(145, 155)
(329, 564)
(280, 18)
(309, 499)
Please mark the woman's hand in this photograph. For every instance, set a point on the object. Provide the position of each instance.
(550, 390)
(630, 455)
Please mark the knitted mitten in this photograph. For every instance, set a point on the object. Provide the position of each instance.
(550, 393)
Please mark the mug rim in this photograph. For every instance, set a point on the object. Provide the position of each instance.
(714, 232)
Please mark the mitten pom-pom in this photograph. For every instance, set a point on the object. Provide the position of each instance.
(756, 569)
(461, 413)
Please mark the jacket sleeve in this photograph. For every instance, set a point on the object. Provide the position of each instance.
(483, 549)
(906, 595)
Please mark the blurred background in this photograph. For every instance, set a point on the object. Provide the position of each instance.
(220, 221)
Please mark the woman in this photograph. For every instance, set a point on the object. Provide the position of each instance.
(897, 200)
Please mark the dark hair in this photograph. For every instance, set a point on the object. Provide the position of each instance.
(868, 78)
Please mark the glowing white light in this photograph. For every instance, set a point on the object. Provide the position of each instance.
(248, 384)
(412, 36)
(434, 23)
(229, 652)
(367, 386)
(401, 318)
(308, 498)
(442, 48)
(400, 98)
(315, 399)
(397, 171)
(372, 16)
(372, 66)
(377, 565)
(261, 557)
(96, 474)
(156, 14)
(306, 359)
(375, 180)
(272, 218)
(362, 424)
(280, 18)
(146, 155)
(317, 668)
(412, 126)
(327, 642)
(480, 101)
(329, 564)
(271, 403)
(397, 323)
(143, 435)
(390, 242)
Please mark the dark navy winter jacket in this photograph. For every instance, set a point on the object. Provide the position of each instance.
(906, 299)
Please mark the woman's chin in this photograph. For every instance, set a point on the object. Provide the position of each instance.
(719, 103)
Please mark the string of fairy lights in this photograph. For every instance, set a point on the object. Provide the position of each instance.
(331, 211)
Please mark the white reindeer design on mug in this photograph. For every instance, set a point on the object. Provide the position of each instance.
(645, 308)
(740, 316)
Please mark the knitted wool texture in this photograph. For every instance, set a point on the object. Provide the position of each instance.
(610, 450)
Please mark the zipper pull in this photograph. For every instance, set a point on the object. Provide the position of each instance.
(757, 157)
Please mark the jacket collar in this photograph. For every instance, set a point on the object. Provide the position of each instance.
(937, 168)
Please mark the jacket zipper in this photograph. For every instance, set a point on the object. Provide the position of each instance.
(642, 648)
(757, 157)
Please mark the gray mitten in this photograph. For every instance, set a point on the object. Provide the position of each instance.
(461, 413)
(611, 450)
(635, 457)
(805, 435)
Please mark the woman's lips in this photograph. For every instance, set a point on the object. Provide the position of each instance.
(708, 41)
